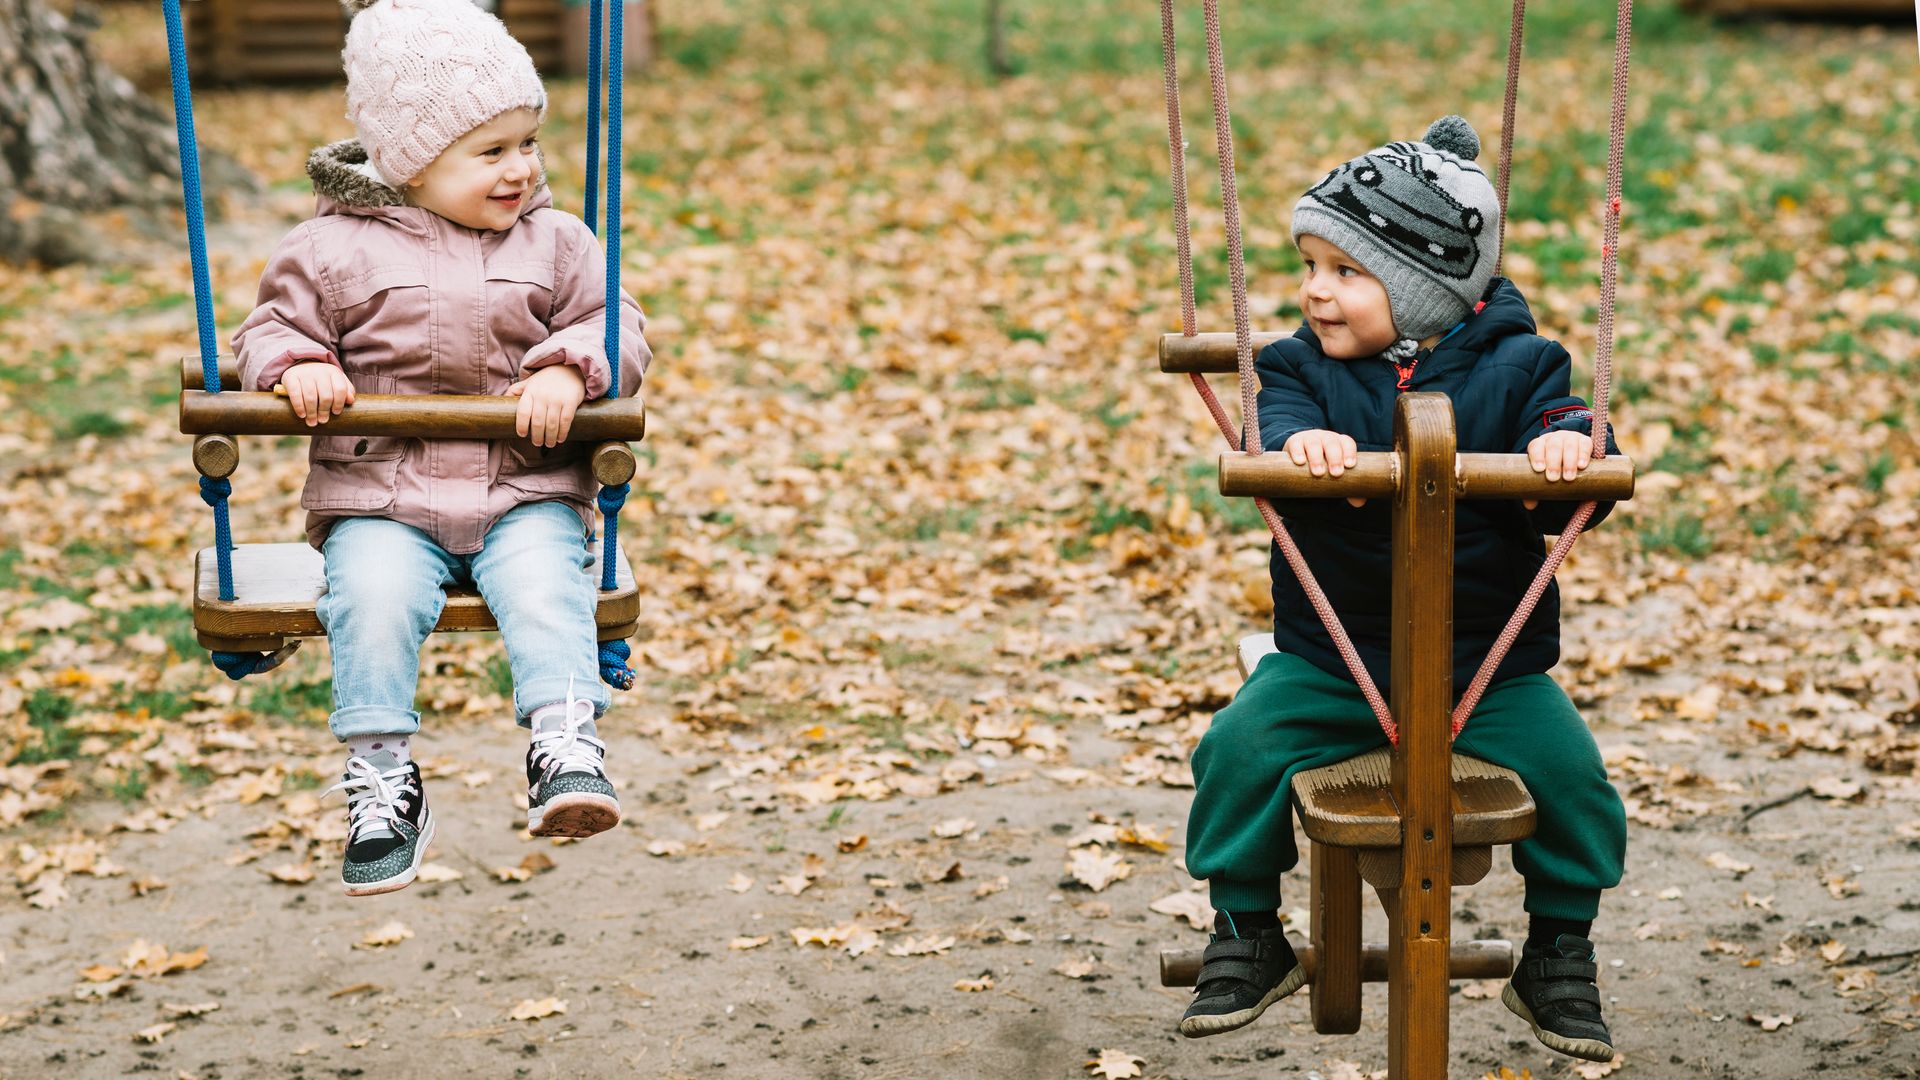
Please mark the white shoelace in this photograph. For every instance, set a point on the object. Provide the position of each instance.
(565, 746)
(374, 798)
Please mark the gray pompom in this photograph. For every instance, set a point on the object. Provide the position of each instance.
(1454, 135)
(355, 7)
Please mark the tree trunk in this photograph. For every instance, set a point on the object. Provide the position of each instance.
(76, 137)
(997, 61)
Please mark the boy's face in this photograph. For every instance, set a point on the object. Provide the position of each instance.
(485, 179)
(1346, 306)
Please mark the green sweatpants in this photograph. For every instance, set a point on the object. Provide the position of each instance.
(1291, 716)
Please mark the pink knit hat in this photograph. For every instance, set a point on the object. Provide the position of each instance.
(422, 73)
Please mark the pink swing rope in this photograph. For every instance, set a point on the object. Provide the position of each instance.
(1243, 339)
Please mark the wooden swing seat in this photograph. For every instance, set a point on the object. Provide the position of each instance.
(276, 587)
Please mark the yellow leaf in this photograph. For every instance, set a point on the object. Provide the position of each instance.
(100, 973)
(292, 873)
(537, 1010)
(745, 943)
(155, 1033)
(953, 827)
(1097, 869)
(974, 986)
(392, 933)
(1116, 1065)
(931, 945)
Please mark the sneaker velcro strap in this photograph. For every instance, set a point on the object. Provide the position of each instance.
(1242, 970)
(1558, 992)
(1555, 968)
(1231, 949)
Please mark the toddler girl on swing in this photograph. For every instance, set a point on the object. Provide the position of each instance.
(1400, 295)
(437, 264)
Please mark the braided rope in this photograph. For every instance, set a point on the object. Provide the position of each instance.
(1516, 33)
(592, 209)
(1230, 207)
(1182, 228)
(214, 493)
(1602, 363)
(1249, 385)
(616, 77)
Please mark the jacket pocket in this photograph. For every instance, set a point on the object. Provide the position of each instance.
(373, 286)
(355, 472)
(520, 304)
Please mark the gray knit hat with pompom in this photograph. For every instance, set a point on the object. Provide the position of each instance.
(1421, 217)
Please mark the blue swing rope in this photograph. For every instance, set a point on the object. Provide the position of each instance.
(613, 654)
(592, 212)
(213, 491)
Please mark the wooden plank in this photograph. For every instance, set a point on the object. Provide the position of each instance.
(1420, 914)
(1351, 804)
(1468, 960)
(277, 585)
(437, 416)
(1273, 475)
(1380, 867)
(1209, 354)
(1334, 996)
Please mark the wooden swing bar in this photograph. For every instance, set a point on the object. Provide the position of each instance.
(277, 587)
(433, 416)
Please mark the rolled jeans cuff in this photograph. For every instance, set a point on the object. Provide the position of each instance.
(553, 690)
(372, 720)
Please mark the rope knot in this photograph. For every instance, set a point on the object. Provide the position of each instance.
(613, 664)
(611, 499)
(214, 490)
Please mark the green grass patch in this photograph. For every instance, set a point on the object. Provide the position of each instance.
(499, 674)
(1680, 533)
(48, 713)
(293, 701)
(131, 785)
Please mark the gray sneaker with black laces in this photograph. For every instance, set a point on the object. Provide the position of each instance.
(568, 793)
(388, 824)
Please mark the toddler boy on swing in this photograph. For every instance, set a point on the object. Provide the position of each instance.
(1399, 296)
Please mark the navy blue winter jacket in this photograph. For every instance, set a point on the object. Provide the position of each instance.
(1509, 386)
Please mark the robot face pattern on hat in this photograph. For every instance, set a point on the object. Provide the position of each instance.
(1392, 193)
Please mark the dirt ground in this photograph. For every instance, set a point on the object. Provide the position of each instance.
(937, 593)
(637, 944)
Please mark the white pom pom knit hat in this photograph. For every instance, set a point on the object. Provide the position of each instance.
(422, 73)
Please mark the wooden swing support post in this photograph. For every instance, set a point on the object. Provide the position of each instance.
(1416, 819)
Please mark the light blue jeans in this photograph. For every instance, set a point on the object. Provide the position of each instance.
(384, 583)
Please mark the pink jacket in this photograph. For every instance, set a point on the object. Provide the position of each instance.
(407, 302)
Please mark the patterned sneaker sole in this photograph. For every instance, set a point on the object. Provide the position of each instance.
(576, 814)
(405, 877)
(1199, 1027)
(1586, 1049)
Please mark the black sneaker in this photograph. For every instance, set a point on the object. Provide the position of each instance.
(1554, 990)
(388, 824)
(568, 793)
(1239, 978)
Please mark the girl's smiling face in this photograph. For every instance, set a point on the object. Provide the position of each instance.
(1346, 306)
(487, 177)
